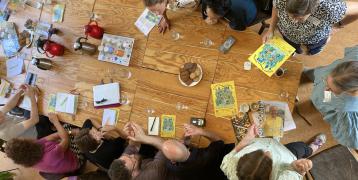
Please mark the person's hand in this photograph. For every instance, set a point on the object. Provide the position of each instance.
(53, 118)
(252, 132)
(29, 90)
(267, 36)
(163, 25)
(302, 165)
(191, 130)
(107, 128)
(128, 130)
(211, 21)
(138, 134)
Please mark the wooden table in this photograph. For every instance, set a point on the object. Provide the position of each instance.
(154, 65)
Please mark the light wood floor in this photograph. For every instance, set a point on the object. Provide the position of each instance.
(345, 37)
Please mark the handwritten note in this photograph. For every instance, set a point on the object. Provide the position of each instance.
(14, 66)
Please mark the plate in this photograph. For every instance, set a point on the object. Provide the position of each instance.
(193, 83)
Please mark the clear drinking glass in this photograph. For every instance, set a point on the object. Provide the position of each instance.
(124, 73)
(175, 35)
(180, 106)
(150, 111)
(124, 99)
(207, 42)
(284, 95)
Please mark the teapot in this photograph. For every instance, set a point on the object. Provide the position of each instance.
(92, 29)
(86, 47)
(45, 46)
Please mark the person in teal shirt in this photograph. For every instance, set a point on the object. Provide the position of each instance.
(335, 96)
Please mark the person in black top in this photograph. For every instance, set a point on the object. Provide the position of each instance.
(196, 163)
(239, 14)
(99, 148)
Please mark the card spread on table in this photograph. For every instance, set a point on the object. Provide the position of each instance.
(153, 126)
(168, 126)
(146, 21)
(14, 66)
(109, 117)
(4, 88)
(66, 103)
(106, 95)
(57, 14)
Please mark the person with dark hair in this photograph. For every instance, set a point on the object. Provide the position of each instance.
(132, 165)
(238, 13)
(307, 24)
(266, 158)
(34, 126)
(335, 96)
(97, 148)
(196, 163)
(50, 154)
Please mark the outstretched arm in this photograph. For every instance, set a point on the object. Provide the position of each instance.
(249, 137)
(138, 135)
(191, 130)
(61, 132)
(351, 14)
(14, 100)
(34, 116)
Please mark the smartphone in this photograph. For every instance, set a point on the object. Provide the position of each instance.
(224, 48)
(199, 122)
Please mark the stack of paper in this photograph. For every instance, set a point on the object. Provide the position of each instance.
(66, 103)
(110, 117)
(106, 95)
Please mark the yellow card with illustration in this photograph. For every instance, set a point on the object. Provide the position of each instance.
(167, 128)
(224, 99)
(270, 56)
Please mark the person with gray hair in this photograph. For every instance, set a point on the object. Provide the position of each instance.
(335, 96)
(307, 24)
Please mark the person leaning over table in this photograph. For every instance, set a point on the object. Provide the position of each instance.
(35, 127)
(97, 147)
(238, 13)
(132, 165)
(266, 158)
(191, 163)
(50, 154)
(340, 80)
(307, 24)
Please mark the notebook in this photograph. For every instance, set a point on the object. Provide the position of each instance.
(109, 117)
(66, 103)
(153, 126)
(106, 95)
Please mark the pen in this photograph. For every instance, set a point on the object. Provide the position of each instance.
(151, 129)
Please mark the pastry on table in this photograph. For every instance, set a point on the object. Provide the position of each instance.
(189, 73)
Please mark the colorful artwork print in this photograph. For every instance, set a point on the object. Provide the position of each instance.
(152, 17)
(224, 99)
(168, 126)
(270, 56)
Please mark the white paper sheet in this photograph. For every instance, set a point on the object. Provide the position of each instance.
(109, 117)
(14, 66)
